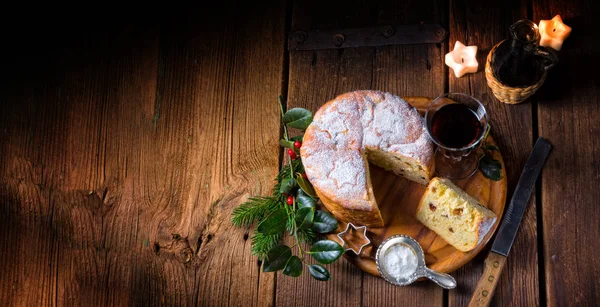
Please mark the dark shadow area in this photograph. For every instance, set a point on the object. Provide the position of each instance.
(578, 61)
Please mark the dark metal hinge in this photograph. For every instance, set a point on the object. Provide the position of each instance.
(367, 37)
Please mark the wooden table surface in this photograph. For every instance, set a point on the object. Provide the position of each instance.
(126, 144)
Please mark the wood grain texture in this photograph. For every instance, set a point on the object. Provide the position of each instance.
(408, 70)
(316, 77)
(120, 171)
(568, 113)
(398, 199)
(59, 159)
(125, 144)
(483, 24)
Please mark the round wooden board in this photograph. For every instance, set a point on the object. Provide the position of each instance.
(398, 198)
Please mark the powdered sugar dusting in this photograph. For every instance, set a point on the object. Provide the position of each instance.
(340, 131)
(343, 174)
(398, 128)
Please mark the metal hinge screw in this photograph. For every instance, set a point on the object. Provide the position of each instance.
(300, 37)
(338, 39)
(388, 31)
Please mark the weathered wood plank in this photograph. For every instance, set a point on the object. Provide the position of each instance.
(27, 253)
(568, 112)
(60, 153)
(120, 169)
(233, 96)
(409, 70)
(316, 77)
(484, 24)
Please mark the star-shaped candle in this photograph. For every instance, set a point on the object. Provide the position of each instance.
(462, 59)
(553, 32)
(354, 238)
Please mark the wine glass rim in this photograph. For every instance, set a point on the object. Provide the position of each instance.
(475, 143)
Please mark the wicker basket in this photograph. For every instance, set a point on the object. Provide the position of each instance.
(507, 94)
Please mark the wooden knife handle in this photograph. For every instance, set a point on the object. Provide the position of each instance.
(494, 263)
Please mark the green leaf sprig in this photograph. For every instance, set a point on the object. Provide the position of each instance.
(490, 167)
(291, 208)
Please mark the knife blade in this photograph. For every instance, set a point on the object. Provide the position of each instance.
(516, 208)
(505, 237)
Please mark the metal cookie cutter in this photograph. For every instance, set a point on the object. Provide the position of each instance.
(346, 232)
(442, 279)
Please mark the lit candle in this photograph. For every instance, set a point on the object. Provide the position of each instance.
(553, 32)
(462, 59)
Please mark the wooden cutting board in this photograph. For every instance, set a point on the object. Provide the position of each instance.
(398, 199)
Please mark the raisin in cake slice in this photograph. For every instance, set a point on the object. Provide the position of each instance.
(454, 215)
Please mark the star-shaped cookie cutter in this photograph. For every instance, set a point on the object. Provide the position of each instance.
(347, 246)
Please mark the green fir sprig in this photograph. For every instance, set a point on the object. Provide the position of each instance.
(262, 244)
(252, 210)
(291, 209)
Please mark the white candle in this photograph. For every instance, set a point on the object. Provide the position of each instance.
(462, 59)
(553, 32)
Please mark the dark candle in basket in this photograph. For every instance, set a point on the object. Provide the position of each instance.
(456, 126)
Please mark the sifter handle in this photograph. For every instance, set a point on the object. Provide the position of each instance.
(444, 280)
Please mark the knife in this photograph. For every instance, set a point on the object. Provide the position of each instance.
(494, 263)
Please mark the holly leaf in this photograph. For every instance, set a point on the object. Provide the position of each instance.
(305, 201)
(286, 144)
(324, 222)
(304, 217)
(277, 258)
(318, 272)
(326, 251)
(274, 223)
(288, 185)
(297, 138)
(305, 185)
(490, 167)
(293, 267)
(298, 118)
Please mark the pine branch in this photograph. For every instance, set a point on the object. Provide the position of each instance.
(307, 236)
(267, 211)
(298, 166)
(255, 208)
(291, 220)
(261, 244)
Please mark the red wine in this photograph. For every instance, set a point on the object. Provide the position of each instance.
(455, 126)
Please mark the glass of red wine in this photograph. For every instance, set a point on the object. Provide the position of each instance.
(456, 123)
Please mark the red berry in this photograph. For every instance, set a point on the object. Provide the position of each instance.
(290, 200)
(297, 144)
(293, 156)
(304, 176)
(291, 152)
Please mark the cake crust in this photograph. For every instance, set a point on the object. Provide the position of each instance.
(351, 130)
